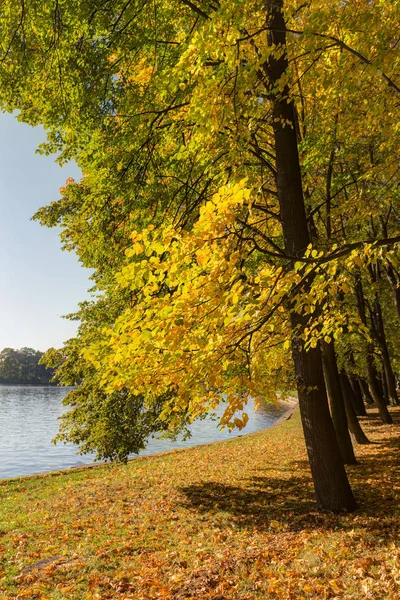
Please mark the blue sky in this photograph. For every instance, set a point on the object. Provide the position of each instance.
(38, 282)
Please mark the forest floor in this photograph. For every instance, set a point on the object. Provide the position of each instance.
(228, 521)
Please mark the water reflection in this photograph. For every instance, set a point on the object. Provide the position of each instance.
(28, 423)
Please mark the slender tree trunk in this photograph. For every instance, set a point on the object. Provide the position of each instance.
(371, 374)
(354, 425)
(357, 397)
(332, 488)
(365, 391)
(380, 379)
(383, 386)
(395, 283)
(336, 402)
(387, 365)
(376, 394)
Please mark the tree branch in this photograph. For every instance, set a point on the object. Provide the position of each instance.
(196, 9)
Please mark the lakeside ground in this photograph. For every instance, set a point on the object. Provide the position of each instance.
(228, 521)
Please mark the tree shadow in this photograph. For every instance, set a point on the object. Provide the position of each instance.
(267, 500)
(259, 501)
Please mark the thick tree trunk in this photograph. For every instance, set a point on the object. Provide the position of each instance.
(332, 488)
(336, 402)
(357, 398)
(354, 425)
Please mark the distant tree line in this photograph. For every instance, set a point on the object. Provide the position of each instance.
(22, 367)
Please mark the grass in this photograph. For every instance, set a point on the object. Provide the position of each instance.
(232, 520)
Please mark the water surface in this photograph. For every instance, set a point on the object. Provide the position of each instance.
(28, 423)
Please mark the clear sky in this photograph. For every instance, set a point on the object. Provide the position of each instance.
(38, 282)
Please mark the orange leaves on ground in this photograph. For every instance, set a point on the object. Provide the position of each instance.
(234, 520)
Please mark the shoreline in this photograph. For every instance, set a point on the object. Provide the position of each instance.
(291, 403)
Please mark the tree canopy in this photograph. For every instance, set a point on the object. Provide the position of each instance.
(23, 367)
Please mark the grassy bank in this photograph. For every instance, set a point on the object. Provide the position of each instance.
(233, 520)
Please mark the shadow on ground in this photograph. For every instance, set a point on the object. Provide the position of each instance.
(266, 500)
(258, 502)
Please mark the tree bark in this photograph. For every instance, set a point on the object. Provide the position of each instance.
(384, 386)
(365, 391)
(387, 365)
(338, 410)
(357, 398)
(354, 425)
(395, 283)
(373, 385)
(371, 375)
(332, 488)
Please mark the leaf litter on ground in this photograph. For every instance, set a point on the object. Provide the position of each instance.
(234, 520)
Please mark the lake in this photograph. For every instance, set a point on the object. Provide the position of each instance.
(28, 423)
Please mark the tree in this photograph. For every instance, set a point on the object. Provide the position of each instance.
(323, 451)
(23, 367)
(223, 215)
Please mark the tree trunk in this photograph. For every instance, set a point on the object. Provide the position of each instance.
(395, 287)
(373, 385)
(354, 425)
(387, 365)
(371, 374)
(383, 386)
(365, 391)
(358, 402)
(332, 488)
(336, 402)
